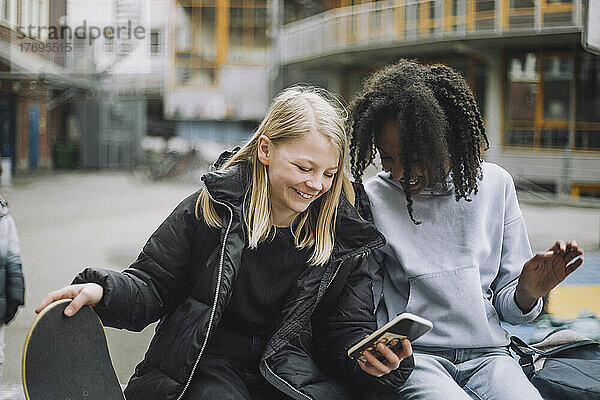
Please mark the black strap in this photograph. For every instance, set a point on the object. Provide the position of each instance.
(522, 348)
(526, 354)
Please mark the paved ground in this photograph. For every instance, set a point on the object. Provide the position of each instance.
(68, 221)
(71, 220)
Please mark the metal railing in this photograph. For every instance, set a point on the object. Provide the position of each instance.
(397, 22)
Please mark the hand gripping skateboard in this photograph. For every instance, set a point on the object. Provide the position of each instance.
(66, 358)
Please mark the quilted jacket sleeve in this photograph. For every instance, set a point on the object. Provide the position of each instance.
(345, 317)
(14, 275)
(157, 281)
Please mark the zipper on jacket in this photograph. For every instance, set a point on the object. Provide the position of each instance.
(286, 383)
(214, 307)
(267, 364)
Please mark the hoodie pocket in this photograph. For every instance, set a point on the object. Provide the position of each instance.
(453, 301)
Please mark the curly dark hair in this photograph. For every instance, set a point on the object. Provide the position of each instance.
(437, 115)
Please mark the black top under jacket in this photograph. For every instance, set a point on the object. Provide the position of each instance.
(264, 282)
(185, 276)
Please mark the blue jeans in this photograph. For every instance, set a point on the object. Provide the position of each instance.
(465, 374)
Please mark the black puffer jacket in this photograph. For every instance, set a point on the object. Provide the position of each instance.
(184, 277)
(12, 289)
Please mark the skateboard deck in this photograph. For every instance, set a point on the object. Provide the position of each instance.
(67, 358)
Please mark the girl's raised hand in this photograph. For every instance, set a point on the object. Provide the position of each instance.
(82, 294)
(546, 270)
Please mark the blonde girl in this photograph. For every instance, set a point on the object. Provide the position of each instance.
(255, 276)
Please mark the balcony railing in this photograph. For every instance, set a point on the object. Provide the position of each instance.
(397, 22)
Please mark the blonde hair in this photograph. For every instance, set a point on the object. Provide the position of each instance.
(295, 112)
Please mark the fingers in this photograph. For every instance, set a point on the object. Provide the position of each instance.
(567, 250)
(573, 249)
(372, 365)
(67, 292)
(574, 246)
(82, 294)
(368, 368)
(392, 361)
(90, 294)
(574, 265)
(558, 247)
(377, 367)
(79, 301)
(564, 248)
(406, 350)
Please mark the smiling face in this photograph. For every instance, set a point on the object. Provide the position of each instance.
(393, 159)
(300, 171)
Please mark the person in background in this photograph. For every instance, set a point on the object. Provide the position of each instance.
(12, 286)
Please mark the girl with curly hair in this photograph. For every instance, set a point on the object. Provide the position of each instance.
(457, 249)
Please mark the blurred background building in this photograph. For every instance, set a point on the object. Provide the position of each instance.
(30, 81)
(206, 70)
(218, 88)
(538, 90)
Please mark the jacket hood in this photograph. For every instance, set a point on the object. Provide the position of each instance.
(353, 235)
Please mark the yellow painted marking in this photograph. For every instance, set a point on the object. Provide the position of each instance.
(568, 300)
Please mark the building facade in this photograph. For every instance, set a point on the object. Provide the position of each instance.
(538, 90)
(29, 77)
(218, 86)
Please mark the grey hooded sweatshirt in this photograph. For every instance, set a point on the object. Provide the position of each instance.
(460, 267)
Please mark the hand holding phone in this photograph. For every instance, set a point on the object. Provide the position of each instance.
(404, 326)
(386, 360)
(389, 340)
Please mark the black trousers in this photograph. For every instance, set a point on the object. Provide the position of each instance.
(229, 370)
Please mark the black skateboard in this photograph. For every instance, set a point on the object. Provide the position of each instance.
(66, 358)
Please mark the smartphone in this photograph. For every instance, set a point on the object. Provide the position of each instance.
(405, 325)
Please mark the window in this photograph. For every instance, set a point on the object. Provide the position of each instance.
(109, 45)
(426, 18)
(30, 8)
(557, 79)
(521, 4)
(78, 44)
(207, 39)
(587, 124)
(558, 73)
(155, 41)
(184, 75)
(196, 44)
(521, 14)
(539, 96)
(247, 31)
(451, 15)
(557, 12)
(521, 100)
(485, 15)
(39, 12)
(4, 10)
